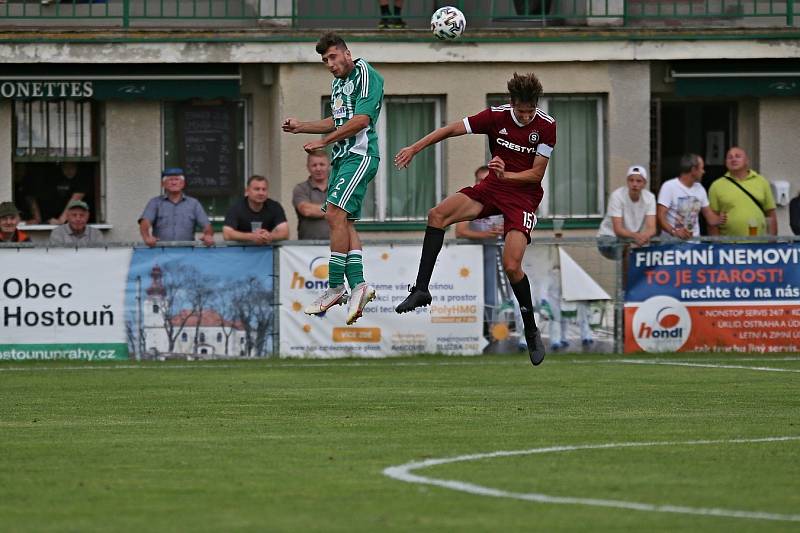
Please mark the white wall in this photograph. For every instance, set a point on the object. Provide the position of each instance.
(132, 168)
(779, 158)
(302, 86)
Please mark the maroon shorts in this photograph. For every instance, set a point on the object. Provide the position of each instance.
(517, 202)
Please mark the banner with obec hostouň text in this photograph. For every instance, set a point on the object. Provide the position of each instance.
(452, 324)
(717, 297)
(63, 303)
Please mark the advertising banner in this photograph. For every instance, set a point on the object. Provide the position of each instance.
(453, 324)
(200, 303)
(95, 304)
(63, 304)
(713, 297)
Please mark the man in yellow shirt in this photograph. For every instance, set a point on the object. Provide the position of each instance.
(746, 216)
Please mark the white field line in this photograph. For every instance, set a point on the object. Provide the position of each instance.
(709, 365)
(478, 361)
(404, 473)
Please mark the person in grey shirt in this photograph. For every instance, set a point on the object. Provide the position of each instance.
(173, 216)
(76, 231)
(309, 196)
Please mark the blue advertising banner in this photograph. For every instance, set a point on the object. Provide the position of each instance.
(713, 297)
(200, 303)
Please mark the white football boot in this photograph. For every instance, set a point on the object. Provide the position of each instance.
(362, 295)
(329, 297)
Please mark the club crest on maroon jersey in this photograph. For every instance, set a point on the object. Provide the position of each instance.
(533, 137)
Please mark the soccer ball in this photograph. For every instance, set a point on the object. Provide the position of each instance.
(448, 23)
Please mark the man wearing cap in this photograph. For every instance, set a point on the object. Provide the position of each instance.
(9, 218)
(76, 230)
(631, 214)
(173, 216)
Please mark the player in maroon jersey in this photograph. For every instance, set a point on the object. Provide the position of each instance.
(522, 138)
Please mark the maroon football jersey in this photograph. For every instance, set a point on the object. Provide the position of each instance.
(515, 144)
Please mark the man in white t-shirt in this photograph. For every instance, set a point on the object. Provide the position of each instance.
(631, 214)
(682, 199)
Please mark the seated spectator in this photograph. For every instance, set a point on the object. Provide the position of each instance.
(309, 196)
(745, 197)
(256, 218)
(174, 216)
(76, 230)
(9, 219)
(682, 199)
(59, 192)
(794, 214)
(631, 214)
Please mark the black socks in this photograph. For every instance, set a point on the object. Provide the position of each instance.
(522, 290)
(431, 246)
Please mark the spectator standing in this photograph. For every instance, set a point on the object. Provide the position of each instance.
(309, 197)
(58, 193)
(682, 199)
(631, 214)
(256, 218)
(9, 220)
(487, 231)
(745, 197)
(174, 216)
(76, 230)
(794, 214)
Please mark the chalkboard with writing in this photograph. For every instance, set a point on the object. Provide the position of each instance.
(208, 147)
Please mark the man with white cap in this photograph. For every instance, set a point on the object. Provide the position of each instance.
(631, 214)
(173, 216)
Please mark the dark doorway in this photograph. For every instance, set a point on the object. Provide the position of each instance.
(705, 128)
(680, 127)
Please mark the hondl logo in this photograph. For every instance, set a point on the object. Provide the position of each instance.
(661, 324)
(315, 279)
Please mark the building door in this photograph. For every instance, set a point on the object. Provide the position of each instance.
(679, 127)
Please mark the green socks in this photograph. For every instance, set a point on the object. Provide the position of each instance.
(354, 269)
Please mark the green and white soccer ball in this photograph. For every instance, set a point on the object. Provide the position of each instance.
(448, 23)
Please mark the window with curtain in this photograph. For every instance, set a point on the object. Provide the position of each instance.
(404, 195)
(574, 183)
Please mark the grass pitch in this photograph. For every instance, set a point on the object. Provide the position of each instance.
(301, 445)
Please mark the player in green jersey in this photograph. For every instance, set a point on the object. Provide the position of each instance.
(356, 99)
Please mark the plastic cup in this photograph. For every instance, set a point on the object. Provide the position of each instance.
(255, 226)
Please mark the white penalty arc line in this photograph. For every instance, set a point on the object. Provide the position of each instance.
(404, 473)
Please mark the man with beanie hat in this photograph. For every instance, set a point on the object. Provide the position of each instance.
(9, 218)
(631, 214)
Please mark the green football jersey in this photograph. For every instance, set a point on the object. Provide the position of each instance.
(361, 93)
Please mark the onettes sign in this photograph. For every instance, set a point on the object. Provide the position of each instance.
(46, 89)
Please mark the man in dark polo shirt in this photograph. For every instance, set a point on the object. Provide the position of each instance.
(173, 216)
(309, 196)
(255, 218)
